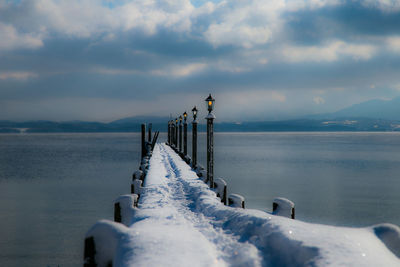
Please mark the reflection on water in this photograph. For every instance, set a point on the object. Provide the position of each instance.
(53, 187)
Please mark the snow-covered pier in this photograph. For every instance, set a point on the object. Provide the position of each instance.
(179, 221)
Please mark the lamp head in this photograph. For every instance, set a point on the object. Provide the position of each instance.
(210, 103)
(194, 111)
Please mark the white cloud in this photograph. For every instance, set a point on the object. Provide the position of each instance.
(244, 24)
(393, 43)
(17, 75)
(328, 53)
(11, 39)
(385, 5)
(318, 100)
(178, 71)
(295, 5)
(252, 98)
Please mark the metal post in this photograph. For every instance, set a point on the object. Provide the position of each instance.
(173, 133)
(185, 138)
(194, 143)
(169, 132)
(176, 134)
(150, 126)
(210, 149)
(180, 136)
(143, 140)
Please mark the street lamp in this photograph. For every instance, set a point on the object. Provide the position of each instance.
(210, 103)
(185, 134)
(176, 133)
(194, 138)
(210, 140)
(180, 134)
(194, 111)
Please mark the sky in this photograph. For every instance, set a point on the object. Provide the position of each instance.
(261, 60)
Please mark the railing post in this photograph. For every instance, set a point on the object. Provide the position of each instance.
(185, 138)
(210, 150)
(210, 141)
(169, 132)
(180, 134)
(173, 133)
(176, 132)
(149, 137)
(143, 140)
(194, 138)
(194, 143)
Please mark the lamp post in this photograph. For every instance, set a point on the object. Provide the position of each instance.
(169, 132)
(149, 134)
(176, 132)
(210, 140)
(194, 138)
(184, 134)
(180, 134)
(171, 135)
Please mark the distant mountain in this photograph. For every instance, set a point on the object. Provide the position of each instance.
(373, 115)
(372, 109)
(141, 119)
(361, 124)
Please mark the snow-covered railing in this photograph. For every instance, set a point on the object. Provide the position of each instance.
(280, 206)
(173, 218)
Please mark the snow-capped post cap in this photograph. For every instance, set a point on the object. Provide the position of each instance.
(124, 208)
(236, 201)
(220, 188)
(138, 175)
(136, 187)
(101, 243)
(283, 207)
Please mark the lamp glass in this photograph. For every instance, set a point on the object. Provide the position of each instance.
(210, 103)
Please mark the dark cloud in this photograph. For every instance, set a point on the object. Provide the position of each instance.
(351, 21)
(346, 44)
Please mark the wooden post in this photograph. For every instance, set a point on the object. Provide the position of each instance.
(220, 189)
(143, 140)
(149, 137)
(89, 252)
(236, 201)
(283, 207)
(117, 212)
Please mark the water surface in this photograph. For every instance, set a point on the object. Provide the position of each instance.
(54, 187)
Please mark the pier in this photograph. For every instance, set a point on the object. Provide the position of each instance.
(174, 218)
(179, 214)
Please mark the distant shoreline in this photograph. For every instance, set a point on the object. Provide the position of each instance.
(299, 125)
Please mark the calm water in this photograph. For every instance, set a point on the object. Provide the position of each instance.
(54, 187)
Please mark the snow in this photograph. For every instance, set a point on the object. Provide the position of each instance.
(180, 222)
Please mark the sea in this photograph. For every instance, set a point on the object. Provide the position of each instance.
(54, 187)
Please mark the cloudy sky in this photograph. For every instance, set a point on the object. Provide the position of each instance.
(277, 59)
